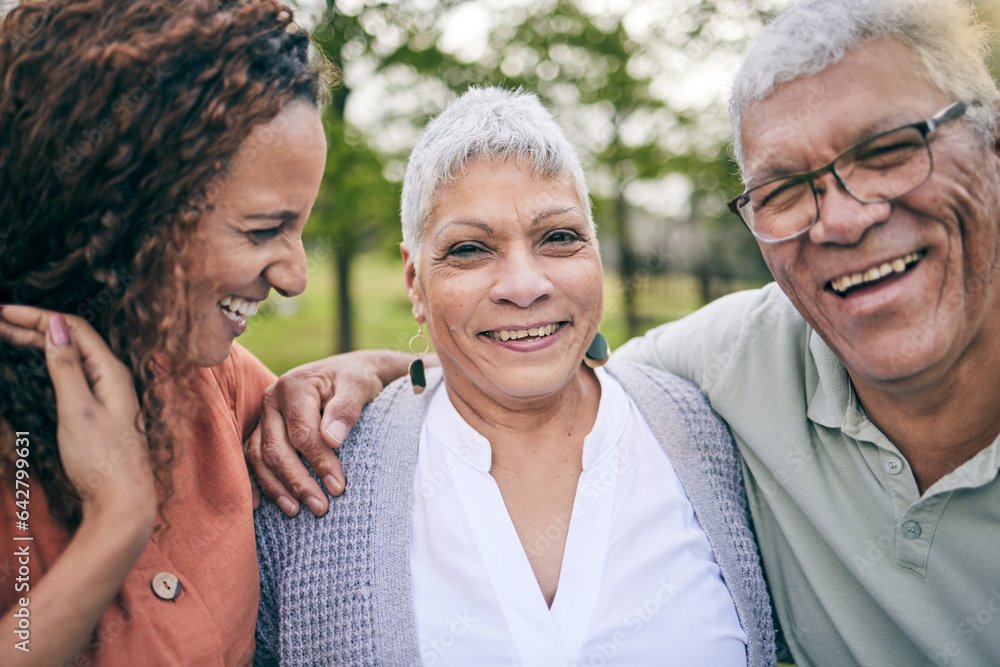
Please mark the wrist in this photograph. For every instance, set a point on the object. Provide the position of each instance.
(130, 517)
(391, 365)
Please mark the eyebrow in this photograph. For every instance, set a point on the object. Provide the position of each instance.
(865, 133)
(489, 230)
(556, 211)
(470, 223)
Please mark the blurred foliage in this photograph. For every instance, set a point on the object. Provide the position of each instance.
(355, 211)
(989, 12)
(608, 75)
(639, 87)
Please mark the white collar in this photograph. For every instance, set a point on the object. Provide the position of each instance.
(474, 449)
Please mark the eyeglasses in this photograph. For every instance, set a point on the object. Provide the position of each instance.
(877, 170)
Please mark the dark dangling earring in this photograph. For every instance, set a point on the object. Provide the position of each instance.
(598, 352)
(417, 378)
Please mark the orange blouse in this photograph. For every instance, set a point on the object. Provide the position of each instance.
(209, 547)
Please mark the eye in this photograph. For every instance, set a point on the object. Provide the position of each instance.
(461, 250)
(261, 235)
(562, 237)
(780, 194)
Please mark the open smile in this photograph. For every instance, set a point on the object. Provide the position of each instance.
(237, 308)
(845, 283)
(527, 332)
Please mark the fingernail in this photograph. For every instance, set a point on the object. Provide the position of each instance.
(333, 484)
(58, 331)
(337, 431)
(287, 506)
(315, 505)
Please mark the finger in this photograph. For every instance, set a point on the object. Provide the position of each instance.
(20, 336)
(252, 443)
(282, 461)
(281, 475)
(342, 411)
(65, 367)
(254, 488)
(266, 482)
(109, 377)
(293, 410)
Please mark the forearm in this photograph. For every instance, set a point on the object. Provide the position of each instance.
(394, 365)
(67, 603)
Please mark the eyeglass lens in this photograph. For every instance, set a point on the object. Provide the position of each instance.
(882, 168)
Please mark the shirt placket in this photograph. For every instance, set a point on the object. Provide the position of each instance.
(915, 517)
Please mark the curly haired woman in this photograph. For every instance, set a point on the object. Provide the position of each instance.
(158, 161)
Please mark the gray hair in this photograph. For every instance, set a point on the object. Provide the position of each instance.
(492, 124)
(947, 39)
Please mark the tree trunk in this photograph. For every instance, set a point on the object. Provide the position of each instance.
(626, 262)
(345, 341)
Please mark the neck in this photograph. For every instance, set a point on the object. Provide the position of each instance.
(940, 424)
(519, 429)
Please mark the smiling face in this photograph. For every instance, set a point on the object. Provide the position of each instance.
(938, 300)
(509, 282)
(249, 239)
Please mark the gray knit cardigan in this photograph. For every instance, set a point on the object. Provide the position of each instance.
(336, 590)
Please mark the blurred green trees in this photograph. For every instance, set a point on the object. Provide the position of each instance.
(640, 87)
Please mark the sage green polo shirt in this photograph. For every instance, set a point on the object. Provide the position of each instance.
(862, 568)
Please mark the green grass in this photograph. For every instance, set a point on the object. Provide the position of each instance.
(289, 332)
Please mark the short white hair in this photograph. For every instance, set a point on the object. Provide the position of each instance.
(949, 42)
(491, 124)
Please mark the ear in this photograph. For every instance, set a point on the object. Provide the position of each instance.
(413, 288)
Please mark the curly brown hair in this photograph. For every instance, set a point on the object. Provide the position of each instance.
(116, 118)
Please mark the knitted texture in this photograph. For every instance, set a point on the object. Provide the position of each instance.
(337, 590)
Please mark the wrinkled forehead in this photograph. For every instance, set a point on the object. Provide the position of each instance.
(806, 122)
(483, 169)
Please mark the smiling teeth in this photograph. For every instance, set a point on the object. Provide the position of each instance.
(898, 265)
(513, 334)
(238, 309)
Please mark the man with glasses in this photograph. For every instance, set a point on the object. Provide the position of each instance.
(863, 386)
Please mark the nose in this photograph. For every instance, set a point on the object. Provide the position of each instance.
(843, 220)
(287, 272)
(520, 280)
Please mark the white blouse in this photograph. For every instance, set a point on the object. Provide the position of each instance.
(639, 584)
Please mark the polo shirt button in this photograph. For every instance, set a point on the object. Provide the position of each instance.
(892, 465)
(166, 586)
(911, 530)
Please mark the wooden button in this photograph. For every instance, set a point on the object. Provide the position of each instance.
(166, 586)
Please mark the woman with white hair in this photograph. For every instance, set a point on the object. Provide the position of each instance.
(529, 507)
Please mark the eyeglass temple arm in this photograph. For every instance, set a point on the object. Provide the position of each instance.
(954, 111)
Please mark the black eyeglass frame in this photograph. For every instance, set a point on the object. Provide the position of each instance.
(925, 127)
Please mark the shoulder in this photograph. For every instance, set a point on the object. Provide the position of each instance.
(694, 437)
(235, 386)
(702, 345)
(646, 382)
(387, 432)
(396, 409)
(674, 407)
(242, 368)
